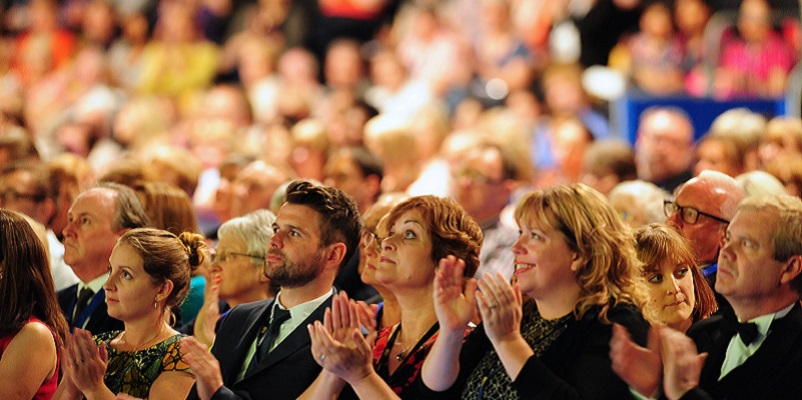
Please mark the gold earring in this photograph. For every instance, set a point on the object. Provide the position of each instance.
(155, 303)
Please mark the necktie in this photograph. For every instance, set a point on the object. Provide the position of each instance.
(83, 300)
(747, 331)
(269, 335)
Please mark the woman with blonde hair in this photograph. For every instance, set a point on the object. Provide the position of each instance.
(547, 335)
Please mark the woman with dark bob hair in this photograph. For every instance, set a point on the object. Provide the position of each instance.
(149, 273)
(678, 294)
(415, 235)
(547, 335)
(32, 327)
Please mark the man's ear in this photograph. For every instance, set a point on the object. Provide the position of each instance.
(336, 254)
(722, 236)
(792, 269)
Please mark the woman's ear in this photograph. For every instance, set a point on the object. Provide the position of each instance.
(576, 264)
(164, 289)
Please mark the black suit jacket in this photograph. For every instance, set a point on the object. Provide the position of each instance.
(773, 372)
(99, 322)
(576, 366)
(286, 372)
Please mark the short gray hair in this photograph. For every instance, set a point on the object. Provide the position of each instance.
(255, 229)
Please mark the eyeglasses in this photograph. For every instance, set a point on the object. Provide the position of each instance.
(371, 239)
(477, 177)
(689, 215)
(225, 256)
(11, 195)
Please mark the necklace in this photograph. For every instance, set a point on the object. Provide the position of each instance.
(145, 342)
(400, 356)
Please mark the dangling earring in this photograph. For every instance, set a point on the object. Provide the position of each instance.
(155, 303)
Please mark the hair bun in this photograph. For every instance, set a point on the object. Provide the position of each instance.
(193, 243)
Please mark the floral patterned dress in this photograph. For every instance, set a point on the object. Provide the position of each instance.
(133, 373)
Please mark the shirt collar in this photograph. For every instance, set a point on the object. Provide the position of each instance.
(95, 284)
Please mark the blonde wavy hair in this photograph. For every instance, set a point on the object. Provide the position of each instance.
(593, 230)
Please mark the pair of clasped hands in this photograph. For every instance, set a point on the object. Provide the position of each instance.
(84, 366)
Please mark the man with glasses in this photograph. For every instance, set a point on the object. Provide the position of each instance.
(484, 182)
(25, 188)
(701, 210)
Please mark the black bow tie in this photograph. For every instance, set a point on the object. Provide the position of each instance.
(747, 331)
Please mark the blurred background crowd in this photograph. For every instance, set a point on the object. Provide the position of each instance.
(223, 101)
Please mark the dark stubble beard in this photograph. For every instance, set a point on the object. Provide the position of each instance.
(290, 274)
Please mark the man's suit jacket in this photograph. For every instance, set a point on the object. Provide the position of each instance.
(773, 372)
(286, 372)
(99, 322)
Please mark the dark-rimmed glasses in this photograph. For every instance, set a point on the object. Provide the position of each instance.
(689, 215)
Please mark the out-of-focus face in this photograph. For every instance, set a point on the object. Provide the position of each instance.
(691, 16)
(130, 293)
(344, 174)
(706, 234)
(754, 20)
(240, 278)
(294, 255)
(343, 67)
(671, 296)
(747, 270)
(17, 193)
(480, 186)
(663, 147)
(406, 256)
(711, 154)
(544, 264)
(89, 237)
(656, 21)
(254, 187)
(627, 209)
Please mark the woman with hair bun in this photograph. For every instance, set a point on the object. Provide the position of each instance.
(149, 273)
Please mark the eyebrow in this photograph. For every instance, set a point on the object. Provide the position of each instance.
(81, 214)
(412, 221)
(291, 226)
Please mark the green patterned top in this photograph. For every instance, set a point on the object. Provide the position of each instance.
(133, 373)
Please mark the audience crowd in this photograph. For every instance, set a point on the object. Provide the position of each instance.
(242, 199)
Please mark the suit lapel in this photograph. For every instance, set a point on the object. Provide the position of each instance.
(766, 364)
(769, 360)
(250, 328)
(297, 340)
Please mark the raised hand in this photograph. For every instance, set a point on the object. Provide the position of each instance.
(682, 364)
(209, 313)
(204, 365)
(338, 345)
(454, 304)
(500, 307)
(86, 362)
(641, 368)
